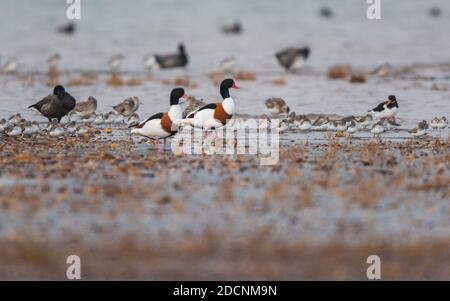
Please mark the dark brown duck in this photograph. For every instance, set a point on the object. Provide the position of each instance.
(56, 105)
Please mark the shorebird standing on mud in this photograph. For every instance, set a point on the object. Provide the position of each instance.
(128, 106)
(386, 109)
(193, 105)
(115, 62)
(439, 123)
(364, 121)
(227, 64)
(86, 108)
(165, 124)
(133, 120)
(420, 130)
(10, 66)
(377, 129)
(277, 106)
(53, 61)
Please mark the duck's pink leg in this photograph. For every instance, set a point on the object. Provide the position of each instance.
(164, 144)
(157, 145)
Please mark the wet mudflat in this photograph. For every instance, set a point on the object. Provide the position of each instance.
(132, 213)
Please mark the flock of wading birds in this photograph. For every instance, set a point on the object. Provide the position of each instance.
(67, 117)
(71, 118)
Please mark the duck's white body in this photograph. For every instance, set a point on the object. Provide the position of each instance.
(153, 127)
(386, 113)
(204, 118)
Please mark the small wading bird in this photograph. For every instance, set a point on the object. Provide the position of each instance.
(439, 123)
(377, 129)
(277, 106)
(128, 106)
(292, 59)
(420, 130)
(167, 61)
(115, 62)
(10, 66)
(55, 130)
(86, 108)
(364, 121)
(133, 120)
(214, 115)
(227, 64)
(352, 128)
(165, 124)
(55, 105)
(193, 105)
(53, 61)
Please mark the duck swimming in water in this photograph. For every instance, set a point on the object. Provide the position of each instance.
(292, 58)
(166, 61)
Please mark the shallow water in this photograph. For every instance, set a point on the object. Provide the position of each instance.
(405, 36)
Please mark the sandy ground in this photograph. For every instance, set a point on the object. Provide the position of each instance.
(131, 213)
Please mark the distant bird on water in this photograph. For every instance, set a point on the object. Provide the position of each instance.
(68, 28)
(167, 61)
(85, 108)
(55, 105)
(53, 61)
(10, 66)
(128, 106)
(292, 58)
(326, 12)
(115, 62)
(277, 106)
(227, 64)
(235, 28)
(435, 12)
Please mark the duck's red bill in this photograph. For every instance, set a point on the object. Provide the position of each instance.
(235, 86)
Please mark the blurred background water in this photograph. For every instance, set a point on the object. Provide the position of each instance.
(406, 34)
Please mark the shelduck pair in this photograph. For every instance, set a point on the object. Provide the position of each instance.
(211, 116)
